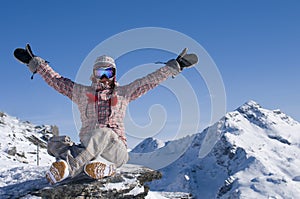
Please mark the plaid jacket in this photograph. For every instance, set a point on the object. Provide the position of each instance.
(106, 107)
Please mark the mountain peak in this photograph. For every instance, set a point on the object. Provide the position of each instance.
(249, 105)
(262, 117)
(148, 145)
(252, 151)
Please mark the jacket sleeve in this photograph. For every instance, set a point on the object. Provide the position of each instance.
(141, 86)
(63, 85)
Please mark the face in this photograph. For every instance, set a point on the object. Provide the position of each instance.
(106, 81)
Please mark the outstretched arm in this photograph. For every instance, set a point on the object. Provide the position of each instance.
(38, 65)
(61, 84)
(172, 68)
(141, 86)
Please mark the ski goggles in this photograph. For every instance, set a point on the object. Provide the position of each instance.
(104, 72)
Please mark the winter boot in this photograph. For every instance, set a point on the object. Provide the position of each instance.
(99, 170)
(58, 172)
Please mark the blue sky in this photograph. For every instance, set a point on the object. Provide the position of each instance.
(254, 44)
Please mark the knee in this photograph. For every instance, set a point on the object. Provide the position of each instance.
(96, 136)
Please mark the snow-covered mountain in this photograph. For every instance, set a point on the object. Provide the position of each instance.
(20, 141)
(148, 145)
(257, 155)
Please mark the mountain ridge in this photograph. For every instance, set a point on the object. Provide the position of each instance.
(254, 154)
(251, 152)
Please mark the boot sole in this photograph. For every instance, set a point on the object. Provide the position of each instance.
(98, 170)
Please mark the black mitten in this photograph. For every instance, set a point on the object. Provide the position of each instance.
(186, 60)
(24, 55)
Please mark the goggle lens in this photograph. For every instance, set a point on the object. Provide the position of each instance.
(104, 72)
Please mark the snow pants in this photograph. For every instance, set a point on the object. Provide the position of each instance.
(96, 145)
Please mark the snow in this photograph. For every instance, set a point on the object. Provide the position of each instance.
(151, 143)
(19, 173)
(18, 155)
(163, 195)
(136, 190)
(20, 180)
(120, 185)
(186, 177)
(154, 195)
(161, 157)
(251, 152)
(15, 134)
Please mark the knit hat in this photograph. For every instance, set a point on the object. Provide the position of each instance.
(104, 61)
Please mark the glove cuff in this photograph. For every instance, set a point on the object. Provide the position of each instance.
(174, 66)
(35, 63)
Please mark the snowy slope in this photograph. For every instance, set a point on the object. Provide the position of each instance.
(148, 145)
(19, 140)
(18, 153)
(257, 156)
(20, 175)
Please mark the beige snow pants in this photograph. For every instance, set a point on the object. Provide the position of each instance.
(102, 142)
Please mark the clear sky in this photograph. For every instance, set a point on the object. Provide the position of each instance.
(254, 44)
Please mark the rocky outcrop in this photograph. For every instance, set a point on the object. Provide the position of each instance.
(129, 182)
